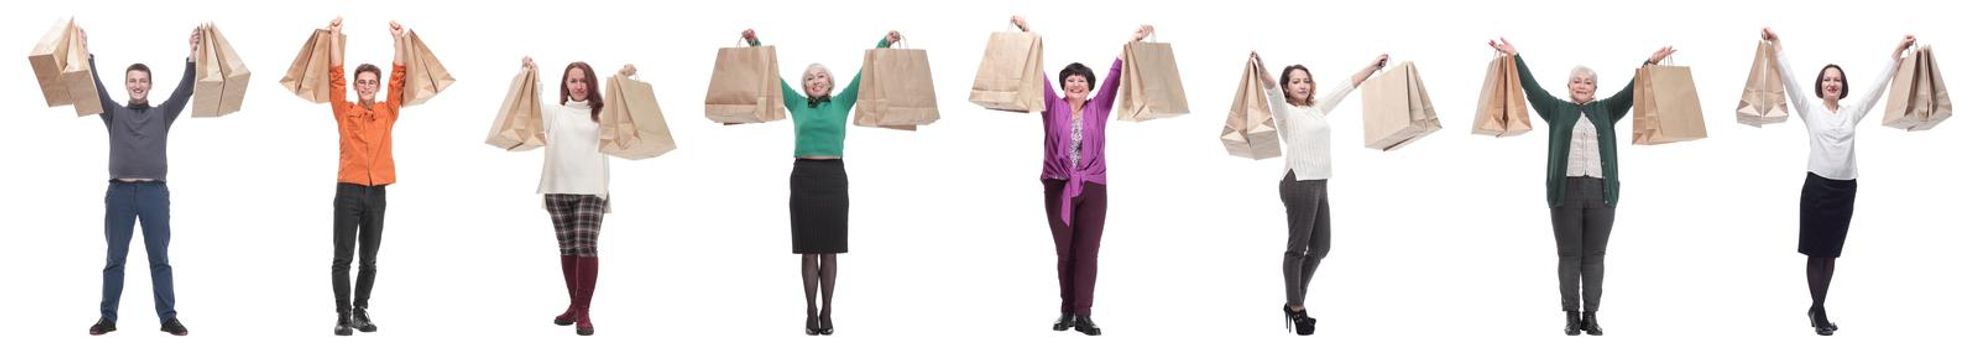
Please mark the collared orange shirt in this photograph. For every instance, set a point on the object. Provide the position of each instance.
(365, 134)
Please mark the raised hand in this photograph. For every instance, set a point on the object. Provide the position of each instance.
(1504, 47)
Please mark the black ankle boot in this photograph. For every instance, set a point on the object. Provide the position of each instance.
(1064, 322)
(1588, 324)
(1573, 323)
(361, 320)
(1085, 325)
(343, 324)
(1303, 322)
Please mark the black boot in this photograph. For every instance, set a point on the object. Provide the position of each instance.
(1064, 322)
(1085, 325)
(343, 324)
(362, 321)
(1573, 323)
(1590, 325)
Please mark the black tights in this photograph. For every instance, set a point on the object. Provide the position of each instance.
(1820, 272)
(820, 273)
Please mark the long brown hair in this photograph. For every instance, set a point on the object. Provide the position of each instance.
(595, 99)
(1285, 84)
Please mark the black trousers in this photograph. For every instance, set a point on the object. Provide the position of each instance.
(1580, 229)
(359, 224)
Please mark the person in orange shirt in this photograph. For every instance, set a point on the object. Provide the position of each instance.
(364, 130)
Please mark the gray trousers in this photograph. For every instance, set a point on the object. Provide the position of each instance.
(1310, 236)
(1580, 228)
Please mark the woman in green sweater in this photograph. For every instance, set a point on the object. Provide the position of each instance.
(819, 203)
(1582, 183)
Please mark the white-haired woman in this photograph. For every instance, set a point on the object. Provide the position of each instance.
(1582, 183)
(1827, 197)
(819, 203)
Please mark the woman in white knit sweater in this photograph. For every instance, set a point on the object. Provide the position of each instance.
(1827, 197)
(1308, 140)
(574, 184)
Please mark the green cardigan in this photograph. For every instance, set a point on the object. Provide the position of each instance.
(1560, 117)
(821, 128)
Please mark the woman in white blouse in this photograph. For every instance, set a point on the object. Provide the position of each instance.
(1308, 140)
(1827, 197)
(575, 177)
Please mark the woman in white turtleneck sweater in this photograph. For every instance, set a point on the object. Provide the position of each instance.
(1827, 197)
(574, 184)
(1308, 141)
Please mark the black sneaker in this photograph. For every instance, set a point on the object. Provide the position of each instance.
(103, 325)
(172, 326)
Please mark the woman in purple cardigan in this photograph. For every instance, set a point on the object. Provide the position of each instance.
(1075, 180)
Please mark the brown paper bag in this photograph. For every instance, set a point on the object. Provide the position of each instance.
(1250, 131)
(631, 125)
(898, 90)
(745, 87)
(61, 67)
(519, 124)
(1395, 109)
(1011, 75)
(424, 76)
(1765, 98)
(1918, 100)
(1666, 108)
(1150, 84)
(309, 74)
(221, 82)
(51, 59)
(1501, 108)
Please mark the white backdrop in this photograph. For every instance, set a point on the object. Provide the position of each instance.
(1444, 243)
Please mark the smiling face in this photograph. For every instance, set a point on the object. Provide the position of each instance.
(817, 82)
(1833, 84)
(1298, 86)
(1582, 87)
(1077, 87)
(575, 85)
(138, 82)
(367, 86)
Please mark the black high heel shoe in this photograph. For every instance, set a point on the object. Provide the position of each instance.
(1573, 323)
(1587, 323)
(1819, 319)
(1064, 322)
(824, 325)
(1291, 319)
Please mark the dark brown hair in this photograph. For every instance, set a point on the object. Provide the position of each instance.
(139, 67)
(592, 97)
(368, 68)
(1824, 72)
(1285, 84)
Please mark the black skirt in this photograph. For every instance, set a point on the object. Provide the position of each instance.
(1825, 209)
(819, 206)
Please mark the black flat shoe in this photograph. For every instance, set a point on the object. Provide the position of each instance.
(362, 321)
(1819, 319)
(174, 327)
(824, 325)
(1085, 325)
(1588, 324)
(811, 325)
(102, 326)
(1573, 323)
(1064, 322)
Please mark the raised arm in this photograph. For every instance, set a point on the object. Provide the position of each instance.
(1881, 81)
(182, 94)
(851, 93)
(1110, 87)
(1535, 94)
(339, 103)
(1619, 104)
(1795, 91)
(1333, 98)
